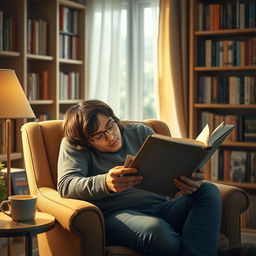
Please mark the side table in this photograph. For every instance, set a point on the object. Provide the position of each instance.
(43, 222)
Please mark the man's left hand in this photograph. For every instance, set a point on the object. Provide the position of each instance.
(189, 185)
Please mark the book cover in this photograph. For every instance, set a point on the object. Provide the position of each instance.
(19, 181)
(238, 166)
(44, 85)
(161, 158)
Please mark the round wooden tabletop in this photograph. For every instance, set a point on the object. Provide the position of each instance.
(42, 223)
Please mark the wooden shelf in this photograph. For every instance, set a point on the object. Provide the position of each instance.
(248, 230)
(225, 32)
(226, 68)
(225, 106)
(14, 156)
(9, 54)
(238, 144)
(39, 57)
(70, 61)
(41, 102)
(71, 4)
(70, 101)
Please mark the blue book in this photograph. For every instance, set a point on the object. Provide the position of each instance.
(201, 53)
(217, 53)
(251, 19)
(238, 53)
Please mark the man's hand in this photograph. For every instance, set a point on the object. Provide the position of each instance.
(117, 179)
(190, 185)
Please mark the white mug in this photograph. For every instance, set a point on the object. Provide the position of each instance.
(21, 207)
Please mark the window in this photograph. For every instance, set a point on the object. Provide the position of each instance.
(132, 28)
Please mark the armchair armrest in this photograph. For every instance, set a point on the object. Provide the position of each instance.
(234, 201)
(79, 217)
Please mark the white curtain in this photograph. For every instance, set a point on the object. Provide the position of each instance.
(103, 38)
(116, 57)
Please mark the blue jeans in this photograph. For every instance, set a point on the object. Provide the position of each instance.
(185, 226)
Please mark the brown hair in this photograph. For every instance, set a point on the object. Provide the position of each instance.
(80, 121)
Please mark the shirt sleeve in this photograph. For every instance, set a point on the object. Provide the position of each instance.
(73, 175)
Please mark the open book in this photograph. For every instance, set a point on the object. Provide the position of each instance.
(161, 158)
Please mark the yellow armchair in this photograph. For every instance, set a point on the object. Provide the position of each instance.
(79, 230)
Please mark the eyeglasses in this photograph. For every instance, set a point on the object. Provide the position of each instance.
(100, 136)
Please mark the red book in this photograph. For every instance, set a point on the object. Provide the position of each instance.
(216, 17)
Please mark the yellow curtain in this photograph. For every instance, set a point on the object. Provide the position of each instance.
(173, 65)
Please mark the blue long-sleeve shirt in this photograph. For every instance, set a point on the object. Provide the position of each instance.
(82, 173)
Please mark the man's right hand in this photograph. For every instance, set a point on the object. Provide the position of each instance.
(120, 179)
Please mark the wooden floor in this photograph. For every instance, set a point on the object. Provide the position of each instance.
(17, 246)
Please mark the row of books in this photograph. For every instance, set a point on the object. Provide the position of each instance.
(233, 165)
(248, 218)
(69, 47)
(68, 20)
(61, 115)
(238, 14)
(37, 86)
(3, 142)
(42, 117)
(37, 34)
(227, 90)
(69, 85)
(245, 125)
(218, 53)
(8, 33)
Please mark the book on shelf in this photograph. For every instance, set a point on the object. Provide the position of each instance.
(161, 158)
(37, 86)
(19, 181)
(218, 53)
(37, 37)
(245, 125)
(231, 90)
(44, 85)
(42, 117)
(237, 14)
(234, 165)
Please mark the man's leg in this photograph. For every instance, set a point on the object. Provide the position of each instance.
(147, 234)
(197, 217)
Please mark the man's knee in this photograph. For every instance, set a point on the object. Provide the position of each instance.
(160, 239)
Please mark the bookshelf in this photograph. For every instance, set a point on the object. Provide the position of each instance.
(31, 33)
(223, 45)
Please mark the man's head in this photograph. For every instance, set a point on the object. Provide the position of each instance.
(92, 123)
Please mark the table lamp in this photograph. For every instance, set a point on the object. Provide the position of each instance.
(13, 105)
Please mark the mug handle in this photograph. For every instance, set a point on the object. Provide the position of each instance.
(3, 203)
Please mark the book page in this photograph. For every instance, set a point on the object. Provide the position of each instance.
(204, 135)
(182, 141)
(128, 160)
(219, 132)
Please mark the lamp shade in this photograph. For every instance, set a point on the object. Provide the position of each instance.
(13, 101)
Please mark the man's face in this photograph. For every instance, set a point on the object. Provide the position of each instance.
(108, 137)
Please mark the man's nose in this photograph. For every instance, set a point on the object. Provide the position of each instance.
(108, 135)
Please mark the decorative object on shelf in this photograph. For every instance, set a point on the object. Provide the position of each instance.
(14, 105)
(3, 188)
